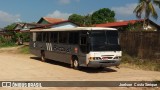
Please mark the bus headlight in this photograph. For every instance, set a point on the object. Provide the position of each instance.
(94, 58)
(117, 58)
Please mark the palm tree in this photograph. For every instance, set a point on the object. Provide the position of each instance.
(147, 7)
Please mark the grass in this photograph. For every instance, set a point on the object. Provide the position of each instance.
(7, 44)
(24, 50)
(133, 62)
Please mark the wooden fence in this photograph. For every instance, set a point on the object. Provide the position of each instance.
(142, 44)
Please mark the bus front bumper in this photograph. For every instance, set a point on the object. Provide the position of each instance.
(103, 63)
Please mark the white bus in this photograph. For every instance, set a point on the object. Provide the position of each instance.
(80, 46)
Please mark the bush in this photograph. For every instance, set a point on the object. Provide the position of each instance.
(134, 62)
(6, 42)
(26, 37)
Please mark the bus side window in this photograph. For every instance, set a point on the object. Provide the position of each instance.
(73, 38)
(63, 37)
(44, 37)
(47, 37)
(39, 36)
(83, 40)
(54, 37)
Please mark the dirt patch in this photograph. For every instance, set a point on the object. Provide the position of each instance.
(15, 66)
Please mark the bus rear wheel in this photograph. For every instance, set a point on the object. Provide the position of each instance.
(76, 64)
(43, 59)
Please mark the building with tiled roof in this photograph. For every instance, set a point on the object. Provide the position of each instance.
(45, 23)
(62, 24)
(118, 23)
(121, 24)
(48, 20)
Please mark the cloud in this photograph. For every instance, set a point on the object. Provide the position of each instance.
(59, 14)
(67, 1)
(126, 10)
(6, 18)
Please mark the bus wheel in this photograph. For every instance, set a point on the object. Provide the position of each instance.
(43, 59)
(76, 64)
(102, 68)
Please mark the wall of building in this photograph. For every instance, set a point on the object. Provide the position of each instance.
(65, 25)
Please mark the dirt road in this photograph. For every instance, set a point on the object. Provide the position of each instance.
(26, 67)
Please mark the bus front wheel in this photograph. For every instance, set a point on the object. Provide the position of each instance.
(43, 59)
(76, 64)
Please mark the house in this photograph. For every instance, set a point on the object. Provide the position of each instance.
(45, 22)
(48, 20)
(62, 24)
(26, 26)
(124, 24)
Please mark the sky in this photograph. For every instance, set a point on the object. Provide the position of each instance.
(32, 10)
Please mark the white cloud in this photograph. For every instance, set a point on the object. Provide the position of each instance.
(67, 1)
(6, 18)
(59, 14)
(126, 10)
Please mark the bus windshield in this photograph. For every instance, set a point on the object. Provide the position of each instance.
(104, 40)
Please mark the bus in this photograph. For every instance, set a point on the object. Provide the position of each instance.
(79, 46)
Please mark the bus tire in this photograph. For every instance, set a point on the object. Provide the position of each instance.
(43, 59)
(76, 64)
(101, 68)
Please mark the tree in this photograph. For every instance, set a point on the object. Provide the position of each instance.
(147, 7)
(87, 20)
(10, 27)
(103, 15)
(78, 19)
(100, 16)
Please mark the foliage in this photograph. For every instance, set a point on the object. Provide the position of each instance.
(133, 62)
(102, 16)
(26, 37)
(147, 7)
(10, 27)
(87, 20)
(132, 27)
(78, 19)
(6, 42)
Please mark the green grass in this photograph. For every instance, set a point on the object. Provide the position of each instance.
(24, 50)
(133, 62)
(7, 44)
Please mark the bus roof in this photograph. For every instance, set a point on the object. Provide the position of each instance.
(72, 29)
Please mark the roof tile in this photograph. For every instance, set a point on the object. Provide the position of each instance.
(120, 23)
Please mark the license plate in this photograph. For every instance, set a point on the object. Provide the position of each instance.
(105, 58)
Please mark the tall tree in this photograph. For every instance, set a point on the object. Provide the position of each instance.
(78, 19)
(103, 15)
(87, 20)
(147, 7)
